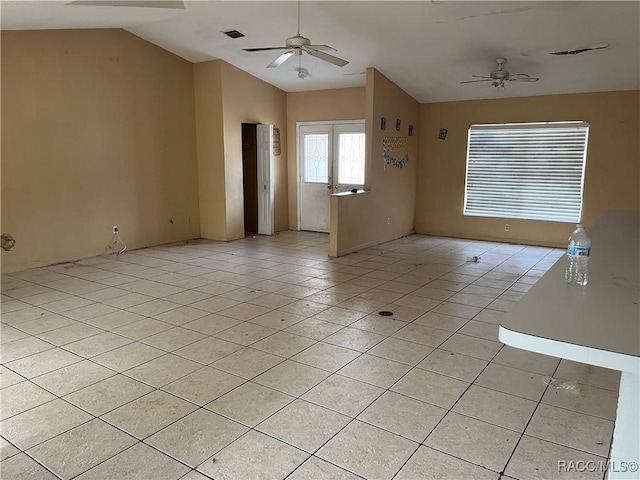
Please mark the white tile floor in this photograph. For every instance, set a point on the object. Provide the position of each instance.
(263, 358)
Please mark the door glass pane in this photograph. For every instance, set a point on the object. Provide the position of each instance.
(316, 158)
(351, 159)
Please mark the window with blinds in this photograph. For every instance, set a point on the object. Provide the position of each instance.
(526, 170)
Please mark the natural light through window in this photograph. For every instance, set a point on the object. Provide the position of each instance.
(526, 170)
(316, 148)
(351, 162)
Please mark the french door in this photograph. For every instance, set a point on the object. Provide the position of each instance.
(331, 160)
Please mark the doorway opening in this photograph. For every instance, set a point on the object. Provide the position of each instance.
(331, 159)
(250, 178)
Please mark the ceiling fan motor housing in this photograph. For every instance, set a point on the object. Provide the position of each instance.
(297, 41)
(500, 75)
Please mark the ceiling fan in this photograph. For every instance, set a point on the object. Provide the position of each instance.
(296, 45)
(499, 76)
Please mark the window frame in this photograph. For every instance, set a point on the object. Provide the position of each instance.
(525, 161)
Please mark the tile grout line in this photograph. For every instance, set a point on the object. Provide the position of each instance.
(281, 330)
(527, 425)
(449, 410)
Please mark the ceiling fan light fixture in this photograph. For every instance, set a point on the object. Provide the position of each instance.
(303, 73)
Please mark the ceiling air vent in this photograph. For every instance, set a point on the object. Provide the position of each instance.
(233, 34)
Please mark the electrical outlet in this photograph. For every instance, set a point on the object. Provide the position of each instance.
(506, 227)
(115, 229)
(388, 220)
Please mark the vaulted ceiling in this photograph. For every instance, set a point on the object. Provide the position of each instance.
(425, 47)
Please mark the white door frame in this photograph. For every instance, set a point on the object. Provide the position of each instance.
(300, 159)
(266, 182)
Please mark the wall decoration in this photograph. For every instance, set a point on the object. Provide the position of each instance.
(443, 134)
(398, 123)
(383, 123)
(393, 144)
(411, 130)
(276, 142)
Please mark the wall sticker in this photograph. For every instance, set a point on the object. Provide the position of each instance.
(391, 145)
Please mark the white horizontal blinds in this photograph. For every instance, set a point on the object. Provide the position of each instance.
(531, 171)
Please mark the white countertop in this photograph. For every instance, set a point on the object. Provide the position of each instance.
(598, 323)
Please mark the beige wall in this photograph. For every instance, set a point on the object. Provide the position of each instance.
(316, 106)
(98, 129)
(612, 177)
(210, 148)
(101, 128)
(388, 210)
(247, 99)
(225, 98)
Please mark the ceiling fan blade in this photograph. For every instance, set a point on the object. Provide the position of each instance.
(322, 47)
(264, 49)
(522, 77)
(474, 81)
(130, 3)
(339, 62)
(481, 76)
(281, 59)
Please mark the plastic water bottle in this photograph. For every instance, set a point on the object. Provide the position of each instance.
(578, 251)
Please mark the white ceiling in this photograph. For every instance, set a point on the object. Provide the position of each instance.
(425, 47)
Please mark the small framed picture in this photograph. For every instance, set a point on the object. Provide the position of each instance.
(383, 123)
(411, 130)
(398, 123)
